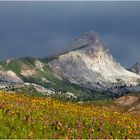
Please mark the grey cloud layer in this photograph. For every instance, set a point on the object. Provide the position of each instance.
(43, 28)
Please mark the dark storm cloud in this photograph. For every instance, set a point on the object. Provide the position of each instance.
(44, 28)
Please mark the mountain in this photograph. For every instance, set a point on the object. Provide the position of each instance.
(90, 64)
(85, 70)
(135, 68)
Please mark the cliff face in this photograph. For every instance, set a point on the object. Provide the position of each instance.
(89, 63)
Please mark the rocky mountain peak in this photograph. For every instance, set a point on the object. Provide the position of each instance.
(135, 68)
(90, 38)
(91, 44)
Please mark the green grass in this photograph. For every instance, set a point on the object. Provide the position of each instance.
(16, 64)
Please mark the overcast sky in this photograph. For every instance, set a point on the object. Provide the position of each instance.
(43, 28)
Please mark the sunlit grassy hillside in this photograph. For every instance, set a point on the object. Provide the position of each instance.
(24, 116)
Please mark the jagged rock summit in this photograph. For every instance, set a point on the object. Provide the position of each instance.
(88, 39)
(88, 63)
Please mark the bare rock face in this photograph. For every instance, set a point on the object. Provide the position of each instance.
(39, 65)
(9, 76)
(28, 72)
(127, 100)
(136, 68)
(132, 102)
(90, 64)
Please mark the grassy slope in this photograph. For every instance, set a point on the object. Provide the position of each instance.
(16, 64)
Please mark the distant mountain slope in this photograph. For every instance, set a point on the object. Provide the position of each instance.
(90, 64)
(135, 68)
